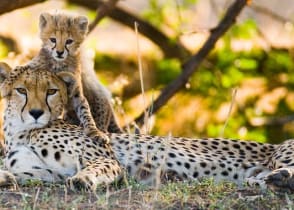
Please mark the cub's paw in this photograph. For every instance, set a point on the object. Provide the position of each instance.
(80, 183)
(99, 136)
(281, 180)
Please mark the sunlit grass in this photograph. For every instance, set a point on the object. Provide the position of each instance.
(180, 195)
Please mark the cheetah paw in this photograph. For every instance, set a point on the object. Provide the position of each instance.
(253, 182)
(80, 184)
(99, 136)
(7, 178)
(281, 180)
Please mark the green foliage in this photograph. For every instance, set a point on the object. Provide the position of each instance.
(159, 12)
(229, 71)
(154, 13)
(245, 30)
(211, 86)
(167, 70)
(246, 63)
(225, 70)
(278, 61)
(103, 61)
(3, 50)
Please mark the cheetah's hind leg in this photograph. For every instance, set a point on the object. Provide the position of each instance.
(7, 179)
(281, 179)
(101, 171)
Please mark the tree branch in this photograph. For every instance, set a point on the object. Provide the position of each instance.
(271, 121)
(194, 62)
(102, 11)
(169, 48)
(9, 5)
(269, 13)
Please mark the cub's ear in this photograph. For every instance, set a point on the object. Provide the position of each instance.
(82, 23)
(5, 70)
(70, 82)
(43, 19)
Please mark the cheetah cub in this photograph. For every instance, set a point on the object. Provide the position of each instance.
(62, 36)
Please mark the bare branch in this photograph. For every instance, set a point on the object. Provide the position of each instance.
(271, 121)
(194, 62)
(269, 13)
(102, 11)
(9, 5)
(169, 48)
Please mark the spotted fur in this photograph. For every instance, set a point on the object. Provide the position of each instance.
(38, 145)
(62, 36)
(60, 152)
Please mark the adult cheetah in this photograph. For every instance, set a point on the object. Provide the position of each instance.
(60, 152)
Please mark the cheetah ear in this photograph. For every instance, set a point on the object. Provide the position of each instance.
(70, 82)
(43, 20)
(82, 23)
(5, 70)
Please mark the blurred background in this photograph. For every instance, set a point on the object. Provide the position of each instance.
(243, 89)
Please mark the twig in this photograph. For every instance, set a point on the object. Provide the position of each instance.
(194, 62)
(179, 17)
(107, 195)
(102, 11)
(141, 76)
(16, 193)
(36, 198)
(65, 194)
(234, 93)
(129, 196)
(271, 121)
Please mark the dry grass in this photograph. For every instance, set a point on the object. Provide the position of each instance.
(184, 195)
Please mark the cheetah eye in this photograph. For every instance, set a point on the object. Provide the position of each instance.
(51, 92)
(53, 40)
(22, 91)
(69, 41)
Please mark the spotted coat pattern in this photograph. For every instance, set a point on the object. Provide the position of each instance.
(89, 105)
(60, 152)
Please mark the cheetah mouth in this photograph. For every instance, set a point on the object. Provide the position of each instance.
(59, 58)
(37, 124)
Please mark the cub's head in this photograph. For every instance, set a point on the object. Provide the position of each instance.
(33, 97)
(62, 34)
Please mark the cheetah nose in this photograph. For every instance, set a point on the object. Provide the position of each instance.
(36, 113)
(59, 53)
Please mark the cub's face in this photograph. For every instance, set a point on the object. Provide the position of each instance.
(34, 97)
(62, 34)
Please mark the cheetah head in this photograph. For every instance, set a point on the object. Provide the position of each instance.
(62, 34)
(33, 97)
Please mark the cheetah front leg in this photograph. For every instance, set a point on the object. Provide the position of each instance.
(103, 114)
(102, 171)
(83, 112)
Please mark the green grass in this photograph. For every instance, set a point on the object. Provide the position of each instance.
(181, 195)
